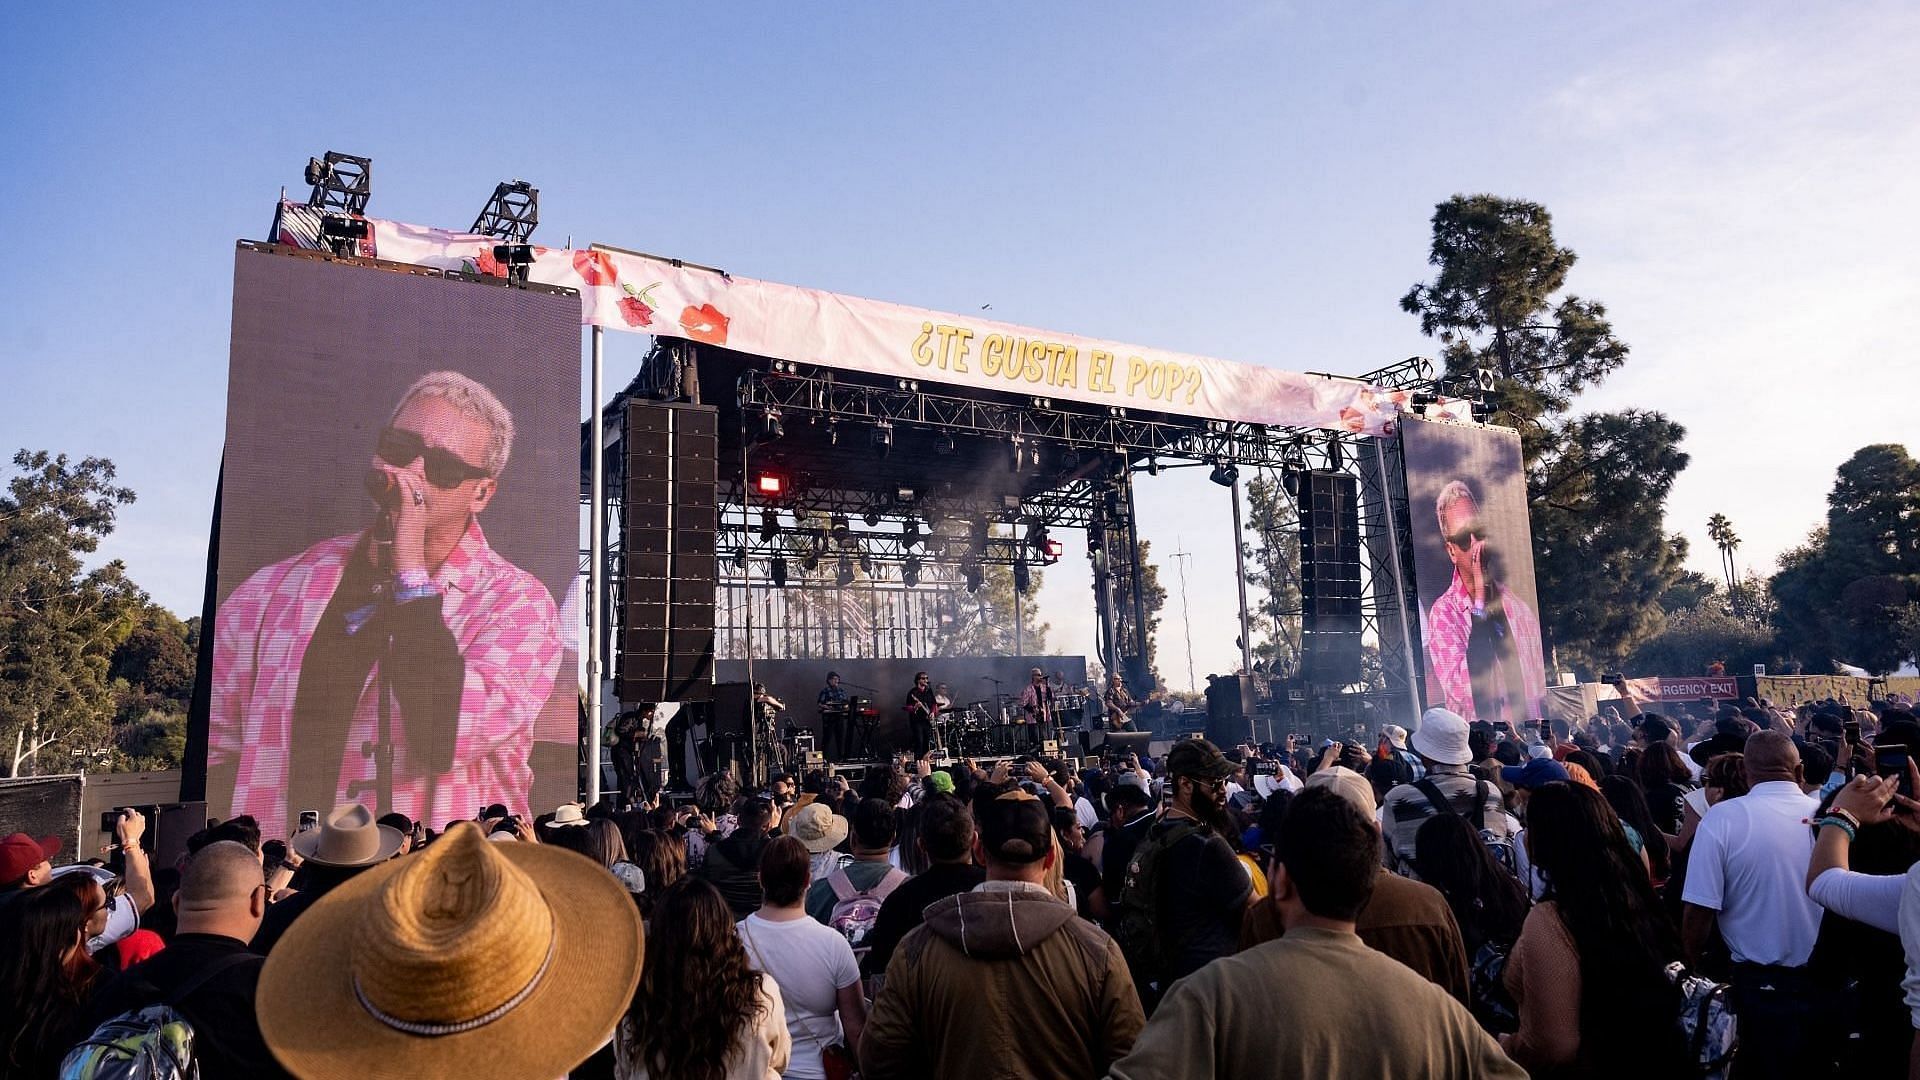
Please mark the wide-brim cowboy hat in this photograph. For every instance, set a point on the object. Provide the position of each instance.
(349, 837)
(468, 959)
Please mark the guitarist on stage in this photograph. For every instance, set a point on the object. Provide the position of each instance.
(922, 709)
(1120, 705)
(1037, 708)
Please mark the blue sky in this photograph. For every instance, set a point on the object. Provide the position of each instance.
(1246, 181)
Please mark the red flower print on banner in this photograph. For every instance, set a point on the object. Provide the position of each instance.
(1353, 420)
(705, 323)
(596, 268)
(485, 263)
(635, 311)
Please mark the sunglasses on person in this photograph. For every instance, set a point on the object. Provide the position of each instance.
(400, 448)
(1465, 537)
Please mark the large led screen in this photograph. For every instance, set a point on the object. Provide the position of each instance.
(1473, 567)
(398, 539)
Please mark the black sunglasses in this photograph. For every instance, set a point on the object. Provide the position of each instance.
(1467, 536)
(401, 448)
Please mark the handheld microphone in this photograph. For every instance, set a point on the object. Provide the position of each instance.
(383, 488)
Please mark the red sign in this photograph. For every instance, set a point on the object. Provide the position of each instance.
(1666, 688)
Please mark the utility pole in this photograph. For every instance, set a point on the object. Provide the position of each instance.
(1181, 555)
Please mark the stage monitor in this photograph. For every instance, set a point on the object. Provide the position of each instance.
(397, 616)
(1473, 568)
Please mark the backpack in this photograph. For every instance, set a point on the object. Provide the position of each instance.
(1500, 845)
(1136, 914)
(854, 911)
(151, 1043)
(1706, 1016)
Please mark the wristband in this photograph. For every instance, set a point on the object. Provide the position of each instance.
(413, 585)
(1837, 823)
(1843, 815)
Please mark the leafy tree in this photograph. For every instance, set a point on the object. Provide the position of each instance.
(1598, 483)
(1271, 548)
(1695, 637)
(1153, 597)
(1842, 594)
(1720, 531)
(156, 658)
(1687, 591)
(59, 622)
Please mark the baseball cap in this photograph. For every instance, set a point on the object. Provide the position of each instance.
(1347, 784)
(1535, 773)
(20, 853)
(1015, 829)
(1198, 757)
(942, 782)
(1655, 727)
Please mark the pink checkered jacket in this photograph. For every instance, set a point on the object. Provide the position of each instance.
(1448, 625)
(508, 630)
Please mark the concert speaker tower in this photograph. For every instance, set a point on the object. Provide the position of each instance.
(666, 640)
(1330, 579)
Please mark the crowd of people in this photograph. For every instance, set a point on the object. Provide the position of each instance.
(1637, 894)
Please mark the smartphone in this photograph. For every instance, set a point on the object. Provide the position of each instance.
(1892, 761)
(1852, 730)
(309, 820)
(108, 820)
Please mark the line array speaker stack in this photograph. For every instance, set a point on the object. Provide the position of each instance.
(666, 639)
(1330, 579)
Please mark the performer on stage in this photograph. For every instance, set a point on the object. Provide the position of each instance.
(1120, 704)
(832, 704)
(1036, 709)
(922, 709)
(411, 641)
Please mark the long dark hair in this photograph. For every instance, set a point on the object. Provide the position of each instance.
(47, 976)
(696, 988)
(1630, 803)
(1624, 937)
(662, 859)
(1488, 902)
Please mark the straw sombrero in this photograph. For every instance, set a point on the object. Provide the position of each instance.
(469, 959)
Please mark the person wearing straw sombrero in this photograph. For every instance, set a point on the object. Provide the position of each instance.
(468, 959)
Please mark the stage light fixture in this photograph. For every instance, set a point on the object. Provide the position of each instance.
(838, 528)
(904, 495)
(1153, 466)
(740, 558)
(1290, 479)
(812, 560)
(1037, 535)
(943, 443)
(1022, 577)
(1017, 455)
(512, 213)
(883, 438)
(1224, 473)
(769, 525)
(970, 571)
(770, 426)
(1094, 541)
(872, 518)
(910, 573)
(909, 533)
(769, 484)
(342, 235)
(341, 182)
(1334, 454)
(977, 534)
(844, 576)
(866, 562)
(779, 571)
(1053, 549)
(833, 433)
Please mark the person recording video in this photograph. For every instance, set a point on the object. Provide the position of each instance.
(402, 664)
(1483, 642)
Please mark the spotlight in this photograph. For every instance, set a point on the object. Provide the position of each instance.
(341, 182)
(866, 563)
(740, 558)
(769, 525)
(1153, 466)
(1290, 479)
(845, 575)
(1053, 550)
(883, 438)
(833, 433)
(770, 426)
(1022, 577)
(943, 444)
(1334, 455)
(1037, 535)
(838, 528)
(1019, 449)
(1094, 541)
(909, 533)
(517, 258)
(779, 571)
(910, 573)
(769, 484)
(812, 560)
(904, 495)
(872, 518)
(1224, 473)
(971, 572)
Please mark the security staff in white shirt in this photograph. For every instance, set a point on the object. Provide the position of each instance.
(1746, 872)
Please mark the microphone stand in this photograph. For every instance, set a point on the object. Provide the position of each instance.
(381, 748)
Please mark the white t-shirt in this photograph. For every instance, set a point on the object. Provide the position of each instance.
(811, 963)
(1749, 863)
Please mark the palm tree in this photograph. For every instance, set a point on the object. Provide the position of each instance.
(1720, 531)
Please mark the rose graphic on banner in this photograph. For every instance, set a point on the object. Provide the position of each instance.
(634, 308)
(595, 268)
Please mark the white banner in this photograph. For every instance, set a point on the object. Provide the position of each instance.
(648, 295)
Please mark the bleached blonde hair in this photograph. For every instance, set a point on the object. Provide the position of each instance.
(1455, 491)
(475, 402)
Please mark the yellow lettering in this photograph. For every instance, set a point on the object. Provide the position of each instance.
(1136, 373)
(1100, 377)
(962, 341)
(922, 349)
(1066, 366)
(993, 351)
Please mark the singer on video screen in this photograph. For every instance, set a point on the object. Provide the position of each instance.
(1483, 642)
(403, 664)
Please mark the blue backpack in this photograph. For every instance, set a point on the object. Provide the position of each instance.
(151, 1043)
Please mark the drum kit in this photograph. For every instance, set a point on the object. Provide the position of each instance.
(997, 725)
